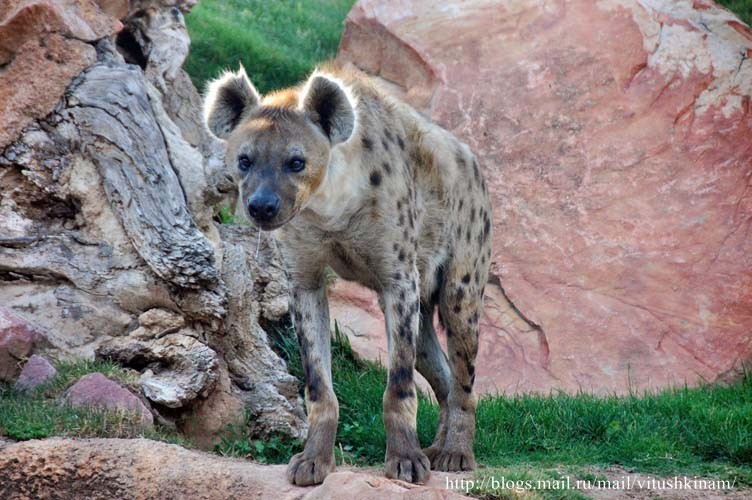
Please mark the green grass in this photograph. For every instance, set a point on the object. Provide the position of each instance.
(227, 216)
(278, 42)
(236, 442)
(43, 413)
(703, 431)
(526, 482)
(742, 8)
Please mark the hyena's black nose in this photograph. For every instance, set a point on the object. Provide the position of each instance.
(263, 205)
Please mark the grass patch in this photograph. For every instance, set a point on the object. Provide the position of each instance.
(525, 482)
(279, 42)
(42, 413)
(23, 417)
(226, 216)
(674, 429)
(236, 442)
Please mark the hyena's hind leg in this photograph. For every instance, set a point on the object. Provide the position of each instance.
(431, 362)
(460, 307)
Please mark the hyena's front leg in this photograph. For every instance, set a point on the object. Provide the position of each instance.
(404, 458)
(311, 316)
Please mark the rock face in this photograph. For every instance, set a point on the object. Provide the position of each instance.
(35, 372)
(109, 189)
(97, 391)
(616, 140)
(54, 39)
(16, 341)
(139, 468)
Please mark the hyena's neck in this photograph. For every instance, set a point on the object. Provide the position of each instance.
(341, 193)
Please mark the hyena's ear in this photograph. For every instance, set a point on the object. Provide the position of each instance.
(330, 105)
(228, 98)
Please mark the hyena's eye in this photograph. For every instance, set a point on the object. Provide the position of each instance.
(296, 164)
(244, 163)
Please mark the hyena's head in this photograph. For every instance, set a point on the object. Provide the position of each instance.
(278, 147)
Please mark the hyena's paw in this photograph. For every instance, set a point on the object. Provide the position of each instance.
(453, 461)
(432, 452)
(413, 467)
(304, 470)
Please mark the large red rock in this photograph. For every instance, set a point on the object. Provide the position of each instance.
(616, 137)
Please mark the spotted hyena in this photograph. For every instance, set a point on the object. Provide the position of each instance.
(354, 180)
